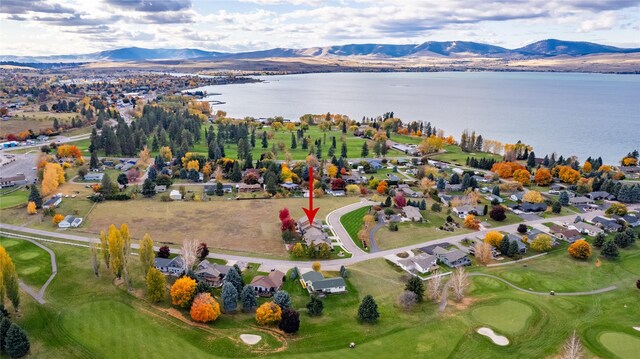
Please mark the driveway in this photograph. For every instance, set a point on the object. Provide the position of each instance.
(333, 220)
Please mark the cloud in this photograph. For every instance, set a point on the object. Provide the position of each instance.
(604, 21)
(25, 6)
(151, 6)
(180, 17)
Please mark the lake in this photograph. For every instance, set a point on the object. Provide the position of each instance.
(570, 114)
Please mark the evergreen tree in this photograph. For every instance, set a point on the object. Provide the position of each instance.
(343, 151)
(106, 185)
(513, 249)
(598, 242)
(235, 278)
(290, 322)
(283, 299)
(319, 151)
(294, 144)
(416, 286)
(564, 198)
(496, 191)
(248, 298)
(5, 324)
(466, 181)
(504, 245)
(35, 197)
(16, 342)
(365, 150)
(229, 297)
(94, 162)
(368, 310)
(531, 160)
(236, 174)
(556, 207)
(610, 250)
(148, 188)
(344, 127)
(315, 306)
(265, 142)
(152, 174)
(305, 143)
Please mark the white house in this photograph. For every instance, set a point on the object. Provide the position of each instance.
(423, 263)
(175, 195)
(70, 221)
(586, 228)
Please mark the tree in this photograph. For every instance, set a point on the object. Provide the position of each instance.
(204, 308)
(610, 250)
(416, 286)
(248, 299)
(556, 207)
(617, 209)
(573, 349)
(533, 197)
(95, 262)
(471, 222)
(365, 150)
(316, 306)
(35, 197)
(407, 299)
(483, 253)
(368, 310)
(16, 343)
(598, 242)
(542, 243)
(268, 313)
(122, 179)
(202, 252)
(564, 198)
(156, 283)
(236, 174)
(8, 279)
(189, 254)
(290, 321)
(235, 278)
(493, 238)
(145, 252)
(523, 176)
(343, 150)
(498, 213)
(580, 249)
(116, 251)
(182, 291)
(57, 219)
(5, 324)
(459, 283)
(52, 177)
(229, 297)
(316, 266)
(31, 207)
(283, 299)
(164, 252)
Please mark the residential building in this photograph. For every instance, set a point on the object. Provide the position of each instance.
(52, 202)
(10, 181)
(243, 187)
(522, 248)
(412, 213)
(598, 195)
(607, 224)
(517, 196)
(174, 266)
(313, 233)
(493, 197)
(70, 221)
(423, 263)
(409, 192)
(452, 258)
(586, 228)
(464, 210)
(160, 188)
(566, 234)
(267, 285)
(315, 282)
(212, 274)
(93, 177)
(581, 201)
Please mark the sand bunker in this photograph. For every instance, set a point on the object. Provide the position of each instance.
(250, 339)
(637, 328)
(497, 339)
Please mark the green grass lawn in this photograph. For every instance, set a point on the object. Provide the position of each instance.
(352, 222)
(79, 305)
(33, 263)
(14, 198)
(454, 154)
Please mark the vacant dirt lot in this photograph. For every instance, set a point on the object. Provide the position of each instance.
(244, 226)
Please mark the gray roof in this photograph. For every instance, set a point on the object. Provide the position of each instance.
(412, 212)
(450, 256)
(319, 282)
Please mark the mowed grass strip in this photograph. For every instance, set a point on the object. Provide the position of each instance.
(15, 198)
(352, 222)
(33, 263)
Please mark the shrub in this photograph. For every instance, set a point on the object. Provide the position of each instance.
(393, 227)
(407, 300)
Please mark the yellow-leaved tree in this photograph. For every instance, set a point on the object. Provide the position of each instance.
(523, 176)
(57, 219)
(51, 178)
(471, 222)
(580, 249)
(116, 251)
(533, 197)
(182, 291)
(268, 313)
(31, 207)
(493, 238)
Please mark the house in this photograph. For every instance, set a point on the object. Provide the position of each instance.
(375, 164)
(600, 195)
(409, 192)
(529, 207)
(352, 179)
(160, 188)
(445, 198)
(454, 258)
(173, 266)
(52, 202)
(607, 224)
(423, 263)
(517, 196)
(11, 181)
(337, 193)
(566, 234)
(632, 220)
(175, 195)
(412, 213)
(586, 228)
(480, 179)
(522, 248)
(243, 187)
(493, 197)
(312, 233)
(94, 177)
(463, 211)
(212, 274)
(70, 221)
(267, 285)
(581, 201)
(289, 186)
(453, 187)
(315, 282)
(226, 188)
(392, 179)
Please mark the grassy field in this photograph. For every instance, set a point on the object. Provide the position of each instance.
(454, 154)
(33, 263)
(240, 226)
(352, 222)
(536, 326)
(14, 198)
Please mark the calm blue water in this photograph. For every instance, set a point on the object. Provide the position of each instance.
(570, 114)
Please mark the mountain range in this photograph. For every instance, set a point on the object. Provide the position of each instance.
(544, 48)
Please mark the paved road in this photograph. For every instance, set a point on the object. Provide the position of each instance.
(333, 220)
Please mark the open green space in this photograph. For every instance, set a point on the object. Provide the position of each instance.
(352, 222)
(33, 263)
(622, 345)
(14, 198)
(455, 155)
(507, 316)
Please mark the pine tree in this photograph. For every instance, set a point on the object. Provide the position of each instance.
(229, 297)
(294, 144)
(504, 245)
(416, 286)
(343, 152)
(513, 249)
(598, 242)
(236, 175)
(365, 150)
(148, 188)
(5, 324)
(564, 198)
(315, 306)
(610, 250)
(283, 299)
(368, 310)
(35, 197)
(16, 343)
(248, 298)
(94, 162)
(265, 142)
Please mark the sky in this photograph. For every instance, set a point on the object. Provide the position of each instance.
(55, 27)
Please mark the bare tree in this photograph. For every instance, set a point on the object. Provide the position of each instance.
(483, 253)
(433, 286)
(459, 283)
(94, 258)
(407, 299)
(573, 348)
(189, 254)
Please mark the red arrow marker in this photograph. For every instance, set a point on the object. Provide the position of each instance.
(310, 212)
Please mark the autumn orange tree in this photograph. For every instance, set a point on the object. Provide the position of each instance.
(566, 174)
(31, 207)
(543, 177)
(506, 169)
(182, 291)
(523, 176)
(268, 313)
(382, 187)
(586, 168)
(471, 222)
(493, 238)
(204, 308)
(533, 197)
(57, 219)
(69, 151)
(580, 249)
